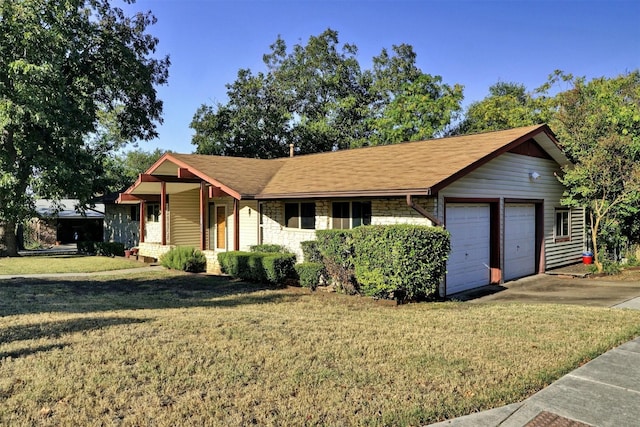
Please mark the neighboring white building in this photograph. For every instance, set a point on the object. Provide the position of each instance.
(496, 192)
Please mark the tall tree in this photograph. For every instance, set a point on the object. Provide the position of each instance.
(317, 97)
(507, 106)
(62, 63)
(598, 125)
(407, 104)
(121, 170)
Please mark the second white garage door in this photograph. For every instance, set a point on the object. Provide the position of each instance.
(519, 240)
(468, 265)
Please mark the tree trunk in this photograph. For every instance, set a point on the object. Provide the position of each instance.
(595, 225)
(8, 240)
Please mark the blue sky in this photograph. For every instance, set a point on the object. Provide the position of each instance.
(473, 43)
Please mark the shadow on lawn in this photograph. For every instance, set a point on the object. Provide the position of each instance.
(23, 296)
(54, 330)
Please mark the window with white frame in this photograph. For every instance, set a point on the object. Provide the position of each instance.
(300, 215)
(563, 224)
(347, 215)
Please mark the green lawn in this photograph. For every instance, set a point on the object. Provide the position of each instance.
(164, 349)
(64, 264)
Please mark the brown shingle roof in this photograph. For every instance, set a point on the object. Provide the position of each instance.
(412, 167)
(246, 176)
(401, 169)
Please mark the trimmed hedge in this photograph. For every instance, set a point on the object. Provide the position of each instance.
(258, 266)
(268, 248)
(400, 261)
(185, 258)
(309, 274)
(101, 248)
(310, 251)
(405, 262)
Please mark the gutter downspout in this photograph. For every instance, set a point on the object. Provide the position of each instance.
(435, 221)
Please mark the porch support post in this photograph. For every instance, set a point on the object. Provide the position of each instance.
(236, 226)
(163, 212)
(203, 204)
(142, 218)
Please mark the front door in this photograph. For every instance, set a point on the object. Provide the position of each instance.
(221, 227)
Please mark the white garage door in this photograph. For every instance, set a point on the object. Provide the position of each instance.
(519, 240)
(468, 265)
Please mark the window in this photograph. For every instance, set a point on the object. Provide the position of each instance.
(351, 214)
(563, 225)
(135, 213)
(300, 215)
(153, 212)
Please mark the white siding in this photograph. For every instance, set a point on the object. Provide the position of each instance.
(507, 177)
(248, 224)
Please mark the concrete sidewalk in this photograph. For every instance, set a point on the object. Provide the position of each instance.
(604, 392)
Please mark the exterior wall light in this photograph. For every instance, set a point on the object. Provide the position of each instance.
(534, 175)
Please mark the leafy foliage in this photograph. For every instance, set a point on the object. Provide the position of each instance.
(309, 274)
(336, 247)
(310, 251)
(598, 124)
(258, 266)
(101, 248)
(121, 170)
(405, 262)
(184, 258)
(392, 261)
(64, 66)
(268, 247)
(507, 106)
(317, 97)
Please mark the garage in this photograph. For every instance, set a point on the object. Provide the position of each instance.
(470, 227)
(519, 240)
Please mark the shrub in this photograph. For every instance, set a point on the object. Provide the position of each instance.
(400, 261)
(310, 251)
(336, 247)
(184, 258)
(268, 248)
(309, 274)
(86, 247)
(232, 263)
(109, 248)
(258, 266)
(278, 267)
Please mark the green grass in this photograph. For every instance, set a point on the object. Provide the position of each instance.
(64, 264)
(165, 348)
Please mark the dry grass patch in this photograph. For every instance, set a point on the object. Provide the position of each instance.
(174, 349)
(64, 264)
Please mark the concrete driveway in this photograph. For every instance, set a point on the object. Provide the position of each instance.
(558, 289)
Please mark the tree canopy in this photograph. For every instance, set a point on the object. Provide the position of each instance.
(62, 65)
(317, 97)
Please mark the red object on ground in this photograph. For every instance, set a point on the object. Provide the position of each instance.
(587, 259)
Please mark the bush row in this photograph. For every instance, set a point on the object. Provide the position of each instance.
(101, 248)
(392, 261)
(271, 267)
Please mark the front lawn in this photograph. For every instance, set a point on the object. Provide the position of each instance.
(165, 348)
(64, 264)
